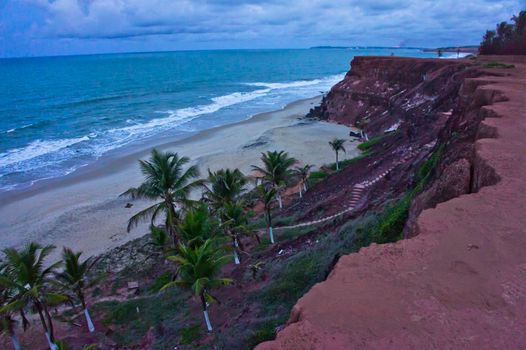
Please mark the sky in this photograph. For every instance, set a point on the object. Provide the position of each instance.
(69, 27)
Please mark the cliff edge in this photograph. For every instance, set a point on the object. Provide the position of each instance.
(460, 282)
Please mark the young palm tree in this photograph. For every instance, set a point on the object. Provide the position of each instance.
(303, 174)
(276, 169)
(235, 223)
(74, 278)
(159, 238)
(165, 180)
(337, 145)
(225, 187)
(26, 276)
(7, 322)
(198, 270)
(267, 195)
(198, 226)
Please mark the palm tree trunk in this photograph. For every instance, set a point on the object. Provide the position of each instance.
(280, 201)
(89, 322)
(170, 221)
(236, 255)
(205, 313)
(270, 233)
(50, 325)
(301, 192)
(15, 342)
(305, 185)
(337, 163)
(91, 327)
(52, 345)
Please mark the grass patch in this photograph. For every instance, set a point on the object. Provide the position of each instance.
(265, 332)
(392, 221)
(190, 334)
(347, 162)
(368, 145)
(138, 315)
(317, 176)
(494, 64)
(328, 169)
(160, 281)
(291, 233)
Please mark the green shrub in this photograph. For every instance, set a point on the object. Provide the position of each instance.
(317, 176)
(494, 64)
(190, 334)
(392, 221)
(136, 316)
(265, 332)
(347, 162)
(368, 145)
(160, 281)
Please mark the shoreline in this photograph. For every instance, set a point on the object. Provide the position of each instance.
(120, 158)
(82, 210)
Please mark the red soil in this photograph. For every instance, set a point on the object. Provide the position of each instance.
(461, 282)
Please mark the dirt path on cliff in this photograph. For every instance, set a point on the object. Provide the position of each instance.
(461, 282)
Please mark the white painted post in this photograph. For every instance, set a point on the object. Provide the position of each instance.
(52, 345)
(207, 320)
(91, 327)
(14, 339)
(271, 234)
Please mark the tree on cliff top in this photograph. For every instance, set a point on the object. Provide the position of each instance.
(507, 39)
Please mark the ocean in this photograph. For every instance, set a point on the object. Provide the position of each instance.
(58, 114)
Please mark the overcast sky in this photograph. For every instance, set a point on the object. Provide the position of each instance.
(58, 27)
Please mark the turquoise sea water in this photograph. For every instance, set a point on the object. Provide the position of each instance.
(61, 113)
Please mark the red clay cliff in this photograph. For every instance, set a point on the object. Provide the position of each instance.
(460, 281)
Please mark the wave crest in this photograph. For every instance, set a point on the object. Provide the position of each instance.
(36, 149)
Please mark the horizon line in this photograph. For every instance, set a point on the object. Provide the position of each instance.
(226, 49)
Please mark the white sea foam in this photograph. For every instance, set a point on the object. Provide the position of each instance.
(35, 149)
(299, 83)
(15, 129)
(454, 55)
(275, 86)
(183, 115)
(104, 141)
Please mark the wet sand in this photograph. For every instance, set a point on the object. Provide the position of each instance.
(84, 210)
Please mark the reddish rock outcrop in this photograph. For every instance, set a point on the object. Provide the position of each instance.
(460, 282)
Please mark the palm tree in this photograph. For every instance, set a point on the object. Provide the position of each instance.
(75, 278)
(226, 185)
(276, 170)
(235, 223)
(198, 226)
(7, 322)
(303, 174)
(199, 268)
(337, 145)
(26, 276)
(159, 238)
(267, 195)
(166, 181)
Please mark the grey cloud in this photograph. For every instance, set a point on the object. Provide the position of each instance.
(365, 22)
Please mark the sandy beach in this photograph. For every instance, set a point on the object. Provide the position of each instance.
(84, 211)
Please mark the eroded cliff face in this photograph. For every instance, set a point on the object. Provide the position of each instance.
(459, 281)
